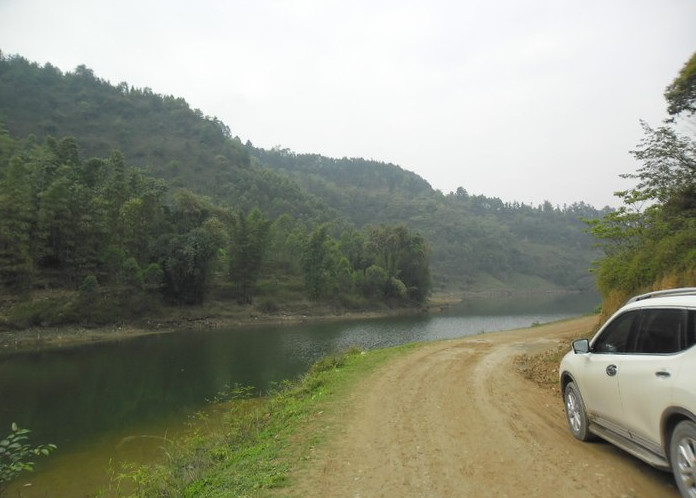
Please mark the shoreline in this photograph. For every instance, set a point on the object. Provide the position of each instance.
(40, 338)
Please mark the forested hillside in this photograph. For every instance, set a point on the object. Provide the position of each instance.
(472, 236)
(79, 150)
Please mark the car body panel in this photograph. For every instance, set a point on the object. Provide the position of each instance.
(684, 393)
(647, 377)
(600, 391)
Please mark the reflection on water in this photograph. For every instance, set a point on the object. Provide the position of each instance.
(87, 399)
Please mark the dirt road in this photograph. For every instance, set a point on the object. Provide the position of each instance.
(457, 419)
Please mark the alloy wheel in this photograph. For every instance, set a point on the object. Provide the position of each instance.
(686, 464)
(573, 412)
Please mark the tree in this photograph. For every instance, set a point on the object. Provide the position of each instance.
(404, 256)
(375, 281)
(143, 218)
(669, 165)
(286, 241)
(188, 262)
(681, 93)
(56, 224)
(316, 261)
(248, 246)
(116, 191)
(650, 239)
(352, 244)
(16, 220)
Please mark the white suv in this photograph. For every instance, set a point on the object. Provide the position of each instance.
(634, 383)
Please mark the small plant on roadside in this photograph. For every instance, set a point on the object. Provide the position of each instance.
(333, 361)
(327, 363)
(16, 455)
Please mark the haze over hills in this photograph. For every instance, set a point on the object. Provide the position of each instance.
(475, 241)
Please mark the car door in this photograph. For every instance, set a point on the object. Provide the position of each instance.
(599, 384)
(648, 371)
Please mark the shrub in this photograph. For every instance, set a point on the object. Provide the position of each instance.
(16, 455)
(89, 290)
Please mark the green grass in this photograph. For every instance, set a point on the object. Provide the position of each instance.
(249, 447)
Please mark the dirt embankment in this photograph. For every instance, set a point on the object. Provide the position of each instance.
(458, 419)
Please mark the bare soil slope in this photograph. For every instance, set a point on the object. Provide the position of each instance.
(456, 418)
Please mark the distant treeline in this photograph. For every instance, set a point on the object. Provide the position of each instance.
(474, 240)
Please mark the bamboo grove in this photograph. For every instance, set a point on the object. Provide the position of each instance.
(115, 235)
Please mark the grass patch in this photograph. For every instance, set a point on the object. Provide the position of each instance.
(58, 308)
(250, 446)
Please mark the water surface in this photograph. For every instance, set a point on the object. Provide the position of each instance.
(117, 398)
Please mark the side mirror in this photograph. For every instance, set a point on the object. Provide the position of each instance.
(581, 346)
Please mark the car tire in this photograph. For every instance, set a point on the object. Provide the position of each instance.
(576, 414)
(682, 453)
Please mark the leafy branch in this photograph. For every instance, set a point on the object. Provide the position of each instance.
(16, 455)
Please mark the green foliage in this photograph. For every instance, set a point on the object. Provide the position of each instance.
(317, 262)
(467, 235)
(89, 290)
(404, 257)
(119, 215)
(59, 310)
(150, 129)
(327, 364)
(649, 242)
(153, 275)
(669, 165)
(107, 230)
(681, 94)
(187, 265)
(643, 246)
(248, 247)
(17, 455)
(374, 282)
(16, 219)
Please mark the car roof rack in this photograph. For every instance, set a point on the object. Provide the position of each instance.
(682, 291)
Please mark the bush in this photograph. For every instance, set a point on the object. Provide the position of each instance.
(89, 290)
(132, 275)
(153, 275)
(16, 455)
(267, 305)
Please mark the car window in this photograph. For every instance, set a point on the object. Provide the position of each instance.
(661, 331)
(615, 336)
(691, 329)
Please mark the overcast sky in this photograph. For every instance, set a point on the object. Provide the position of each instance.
(526, 100)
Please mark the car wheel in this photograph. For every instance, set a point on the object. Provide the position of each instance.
(575, 413)
(682, 452)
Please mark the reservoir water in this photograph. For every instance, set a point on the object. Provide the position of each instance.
(89, 399)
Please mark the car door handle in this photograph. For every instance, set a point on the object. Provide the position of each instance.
(611, 370)
(663, 374)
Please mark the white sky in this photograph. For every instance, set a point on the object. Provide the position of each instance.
(524, 100)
